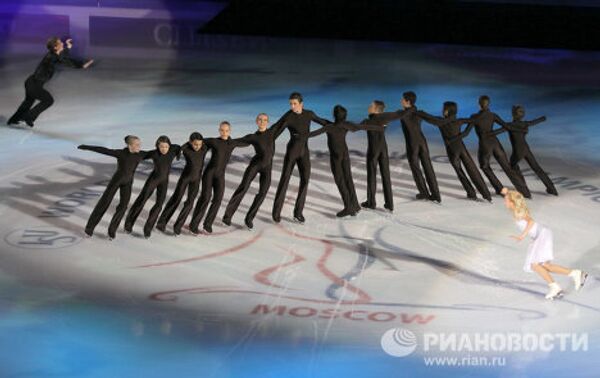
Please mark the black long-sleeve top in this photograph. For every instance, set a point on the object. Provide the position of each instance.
(298, 124)
(263, 143)
(449, 126)
(46, 68)
(194, 161)
(162, 163)
(127, 162)
(377, 138)
(221, 151)
(336, 135)
(484, 124)
(411, 127)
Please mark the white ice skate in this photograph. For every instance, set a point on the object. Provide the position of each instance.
(554, 291)
(578, 277)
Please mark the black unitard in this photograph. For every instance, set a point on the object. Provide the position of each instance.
(296, 153)
(490, 146)
(377, 154)
(190, 181)
(213, 180)
(457, 153)
(520, 150)
(159, 181)
(262, 162)
(417, 151)
(122, 181)
(34, 86)
(339, 158)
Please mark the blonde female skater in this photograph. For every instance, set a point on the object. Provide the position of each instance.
(540, 251)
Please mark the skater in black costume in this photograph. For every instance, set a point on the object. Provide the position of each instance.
(297, 121)
(163, 157)
(377, 154)
(263, 142)
(213, 179)
(518, 129)
(449, 127)
(34, 85)
(128, 159)
(341, 167)
(490, 146)
(194, 152)
(417, 152)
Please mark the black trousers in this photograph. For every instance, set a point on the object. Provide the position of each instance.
(526, 154)
(253, 169)
(213, 185)
(297, 154)
(34, 90)
(457, 154)
(492, 147)
(418, 156)
(342, 174)
(150, 186)
(183, 184)
(379, 157)
(103, 204)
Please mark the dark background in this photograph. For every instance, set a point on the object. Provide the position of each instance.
(530, 23)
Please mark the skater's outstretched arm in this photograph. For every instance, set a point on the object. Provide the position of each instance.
(535, 121)
(499, 120)
(280, 125)
(436, 121)
(320, 131)
(240, 142)
(176, 150)
(65, 57)
(350, 126)
(100, 150)
(319, 120)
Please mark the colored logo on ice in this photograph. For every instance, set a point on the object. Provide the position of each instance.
(41, 238)
(399, 342)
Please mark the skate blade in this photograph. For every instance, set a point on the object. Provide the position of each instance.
(583, 278)
(559, 295)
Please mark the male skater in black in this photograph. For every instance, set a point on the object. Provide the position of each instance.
(449, 127)
(213, 178)
(127, 161)
(518, 129)
(377, 154)
(417, 151)
(34, 85)
(297, 121)
(490, 146)
(194, 152)
(158, 180)
(263, 142)
(339, 157)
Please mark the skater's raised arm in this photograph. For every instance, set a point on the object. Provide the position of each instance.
(65, 57)
(535, 121)
(100, 150)
(320, 131)
(241, 142)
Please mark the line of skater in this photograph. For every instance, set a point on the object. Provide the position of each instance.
(297, 121)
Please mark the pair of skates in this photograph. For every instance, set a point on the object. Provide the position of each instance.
(578, 277)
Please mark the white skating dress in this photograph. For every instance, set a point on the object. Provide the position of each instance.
(541, 246)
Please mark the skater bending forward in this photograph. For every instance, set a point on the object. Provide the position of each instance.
(540, 251)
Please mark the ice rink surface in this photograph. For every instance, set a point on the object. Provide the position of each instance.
(294, 300)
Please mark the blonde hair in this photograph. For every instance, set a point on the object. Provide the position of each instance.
(520, 209)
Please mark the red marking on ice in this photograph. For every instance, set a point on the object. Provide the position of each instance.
(227, 251)
(263, 276)
(321, 265)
